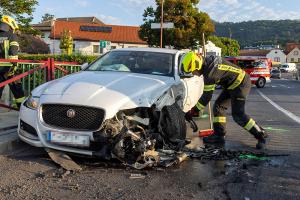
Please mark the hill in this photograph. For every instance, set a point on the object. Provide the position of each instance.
(253, 33)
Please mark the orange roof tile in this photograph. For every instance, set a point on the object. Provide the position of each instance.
(119, 34)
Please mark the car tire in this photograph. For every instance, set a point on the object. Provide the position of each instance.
(261, 82)
(172, 123)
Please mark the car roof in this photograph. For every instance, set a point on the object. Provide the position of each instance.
(156, 50)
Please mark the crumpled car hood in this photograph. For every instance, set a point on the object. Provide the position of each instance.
(112, 91)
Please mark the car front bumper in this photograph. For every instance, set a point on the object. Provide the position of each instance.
(39, 139)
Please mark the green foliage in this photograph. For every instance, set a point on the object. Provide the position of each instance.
(189, 24)
(21, 10)
(64, 57)
(47, 17)
(66, 42)
(253, 33)
(230, 47)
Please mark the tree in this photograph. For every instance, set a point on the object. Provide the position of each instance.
(22, 10)
(47, 17)
(189, 24)
(229, 46)
(66, 42)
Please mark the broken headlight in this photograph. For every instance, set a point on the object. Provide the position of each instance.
(32, 102)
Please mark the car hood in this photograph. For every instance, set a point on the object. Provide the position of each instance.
(112, 91)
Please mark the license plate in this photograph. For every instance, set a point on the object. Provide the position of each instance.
(68, 139)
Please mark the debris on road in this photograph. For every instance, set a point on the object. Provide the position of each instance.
(137, 176)
(63, 160)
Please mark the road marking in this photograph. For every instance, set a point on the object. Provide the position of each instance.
(286, 112)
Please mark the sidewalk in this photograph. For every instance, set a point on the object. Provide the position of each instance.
(8, 129)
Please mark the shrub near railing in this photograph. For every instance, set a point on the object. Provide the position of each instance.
(64, 57)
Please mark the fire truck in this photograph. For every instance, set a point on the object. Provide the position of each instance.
(259, 68)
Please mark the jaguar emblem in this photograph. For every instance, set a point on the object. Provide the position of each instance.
(71, 113)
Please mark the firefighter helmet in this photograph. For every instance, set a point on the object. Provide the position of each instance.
(191, 62)
(10, 21)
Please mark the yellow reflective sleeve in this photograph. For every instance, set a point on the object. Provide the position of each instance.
(219, 119)
(13, 57)
(208, 88)
(14, 43)
(6, 48)
(237, 81)
(20, 100)
(200, 106)
(249, 125)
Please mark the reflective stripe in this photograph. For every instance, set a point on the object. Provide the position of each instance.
(219, 119)
(13, 57)
(208, 88)
(14, 43)
(200, 106)
(229, 68)
(20, 100)
(6, 48)
(237, 81)
(240, 77)
(249, 125)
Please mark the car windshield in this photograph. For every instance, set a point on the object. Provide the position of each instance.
(284, 66)
(136, 62)
(275, 71)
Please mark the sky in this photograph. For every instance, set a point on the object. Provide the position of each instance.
(129, 12)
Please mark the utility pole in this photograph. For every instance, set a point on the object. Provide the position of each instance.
(161, 23)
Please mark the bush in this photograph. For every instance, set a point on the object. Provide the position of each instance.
(64, 58)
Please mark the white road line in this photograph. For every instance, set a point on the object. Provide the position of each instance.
(286, 112)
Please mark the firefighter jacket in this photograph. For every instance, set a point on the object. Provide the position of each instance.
(217, 71)
(9, 46)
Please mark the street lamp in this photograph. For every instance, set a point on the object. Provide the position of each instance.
(161, 23)
(53, 43)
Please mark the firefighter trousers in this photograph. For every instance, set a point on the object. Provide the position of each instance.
(237, 99)
(16, 88)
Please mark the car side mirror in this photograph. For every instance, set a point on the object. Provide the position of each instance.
(84, 66)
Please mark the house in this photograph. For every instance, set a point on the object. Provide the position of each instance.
(294, 56)
(87, 34)
(277, 56)
(291, 46)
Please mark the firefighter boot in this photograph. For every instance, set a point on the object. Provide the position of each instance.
(214, 139)
(260, 134)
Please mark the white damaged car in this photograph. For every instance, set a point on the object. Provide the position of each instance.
(124, 105)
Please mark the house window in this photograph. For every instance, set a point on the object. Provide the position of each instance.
(292, 59)
(277, 59)
(296, 53)
(298, 60)
(101, 50)
(113, 47)
(95, 48)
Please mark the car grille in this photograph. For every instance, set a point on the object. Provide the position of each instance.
(84, 119)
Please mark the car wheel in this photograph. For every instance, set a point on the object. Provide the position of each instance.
(261, 82)
(173, 125)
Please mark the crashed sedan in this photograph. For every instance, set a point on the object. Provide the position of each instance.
(125, 105)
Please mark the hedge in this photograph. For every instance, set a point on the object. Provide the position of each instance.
(65, 58)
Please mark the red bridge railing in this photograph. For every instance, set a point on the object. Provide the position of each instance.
(34, 73)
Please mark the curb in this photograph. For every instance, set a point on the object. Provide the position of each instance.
(8, 139)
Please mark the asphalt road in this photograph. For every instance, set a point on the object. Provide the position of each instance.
(28, 173)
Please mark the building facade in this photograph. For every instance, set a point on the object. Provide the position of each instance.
(277, 56)
(87, 34)
(294, 56)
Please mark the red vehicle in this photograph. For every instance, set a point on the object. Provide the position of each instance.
(259, 68)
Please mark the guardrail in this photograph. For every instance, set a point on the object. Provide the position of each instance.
(34, 73)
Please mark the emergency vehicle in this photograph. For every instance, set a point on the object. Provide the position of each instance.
(259, 68)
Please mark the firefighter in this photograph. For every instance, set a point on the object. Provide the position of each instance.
(236, 86)
(9, 48)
